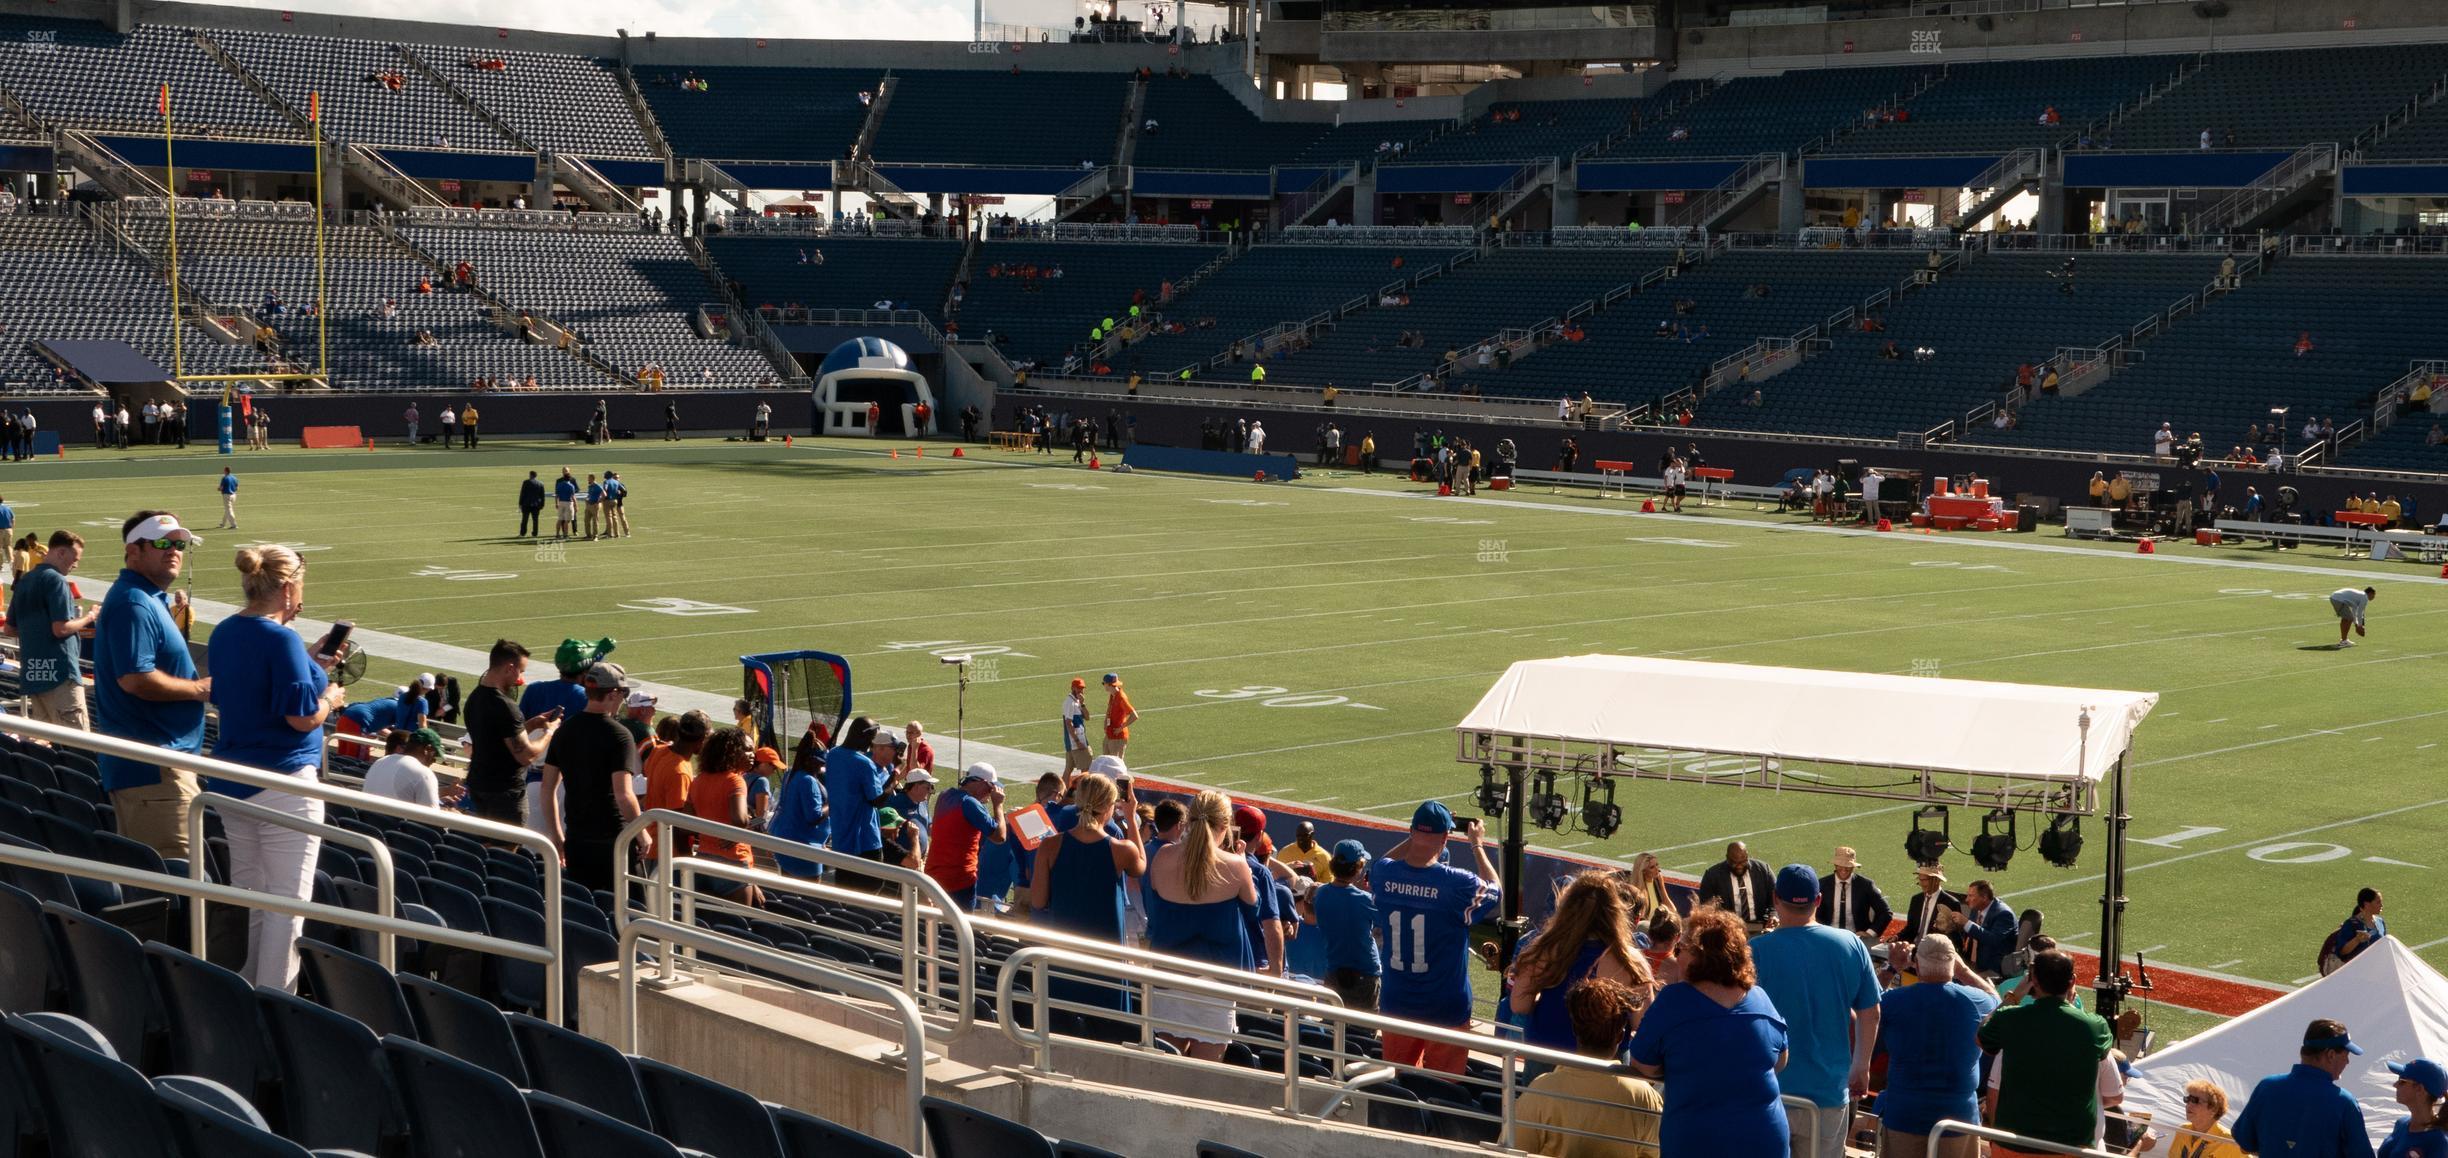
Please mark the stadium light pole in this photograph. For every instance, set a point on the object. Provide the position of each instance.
(2111, 986)
(1510, 924)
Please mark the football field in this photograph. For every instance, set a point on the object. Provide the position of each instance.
(1316, 641)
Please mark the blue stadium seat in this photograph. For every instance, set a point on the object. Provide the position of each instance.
(110, 990)
(701, 1114)
(29, 977)
(572, 1130)
(334, 1091)
(464, 1026)
(456, 1109)
(93, 1104)
(210, 1126)
(213, 1028)
(580, 1068)
(957, 1131)
(359, 987)
(517, 984)
(805, 1135)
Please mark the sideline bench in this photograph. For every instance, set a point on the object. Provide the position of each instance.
(2422, 546)
(1628, 483)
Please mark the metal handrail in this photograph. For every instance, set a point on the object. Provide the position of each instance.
(913, 1055)
(2269, 188)
(924, 903)
(388, 926)
(494, 831)
(1938, 1135)
(386, 881)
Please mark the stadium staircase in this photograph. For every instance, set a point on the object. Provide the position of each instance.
(80, 151)
(1532, 179)
(1732, 195)
(864, 149)
(504, 312)
(459, 96)
(710, 180)
(648, 125)
(2003, 182)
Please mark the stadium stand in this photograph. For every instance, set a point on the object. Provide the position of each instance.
(2285, 98)
(765, 114)
(359, 107)
(1043, 318)
(1995, 105)
(855, 273)
(1056, 119)
(1769, 114)
(2219, 371)
(57, 84)
(1269, 284)
(249, 264)
(1555, 128)
(1200, 126)
(628, 295)
(66, 282)
(558, 102)
(1984, 319)
(1623, 359)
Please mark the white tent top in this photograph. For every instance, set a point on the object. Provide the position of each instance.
(2019, 731)
(2394, 1005)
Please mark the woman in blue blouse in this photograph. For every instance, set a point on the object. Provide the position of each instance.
(1718, 1042)
(273, 696)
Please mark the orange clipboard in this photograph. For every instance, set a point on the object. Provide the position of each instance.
(1031, 826)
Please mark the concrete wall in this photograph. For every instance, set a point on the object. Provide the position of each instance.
(1756, 461)
(1626, 44)
(2105, 30)
(502, 415)
(794, 1049)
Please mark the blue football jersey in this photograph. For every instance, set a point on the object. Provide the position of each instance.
(1427, 914)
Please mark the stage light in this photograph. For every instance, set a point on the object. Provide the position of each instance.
(1494, 794)
(1996, 843)
(2061, 844)
(1600, 816)
(1548, 808)
(1927, 843)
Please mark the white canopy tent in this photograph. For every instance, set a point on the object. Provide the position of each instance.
(1605, 718)
(2024, 732)
(2394, 1004)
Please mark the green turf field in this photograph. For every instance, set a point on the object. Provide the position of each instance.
(1316, 641)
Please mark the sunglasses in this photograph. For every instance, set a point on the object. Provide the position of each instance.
(167, 544)
(2196, 1100)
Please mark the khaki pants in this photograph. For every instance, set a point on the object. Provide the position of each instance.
(156, 814)
(63, 705)
(1114, 747)
(1075, 759)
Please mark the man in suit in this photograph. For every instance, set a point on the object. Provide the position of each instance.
(1989, 929)
(1852, 902)
(1928, 912)
(1742, 887)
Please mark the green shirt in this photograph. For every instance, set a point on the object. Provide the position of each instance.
(2050, 1090)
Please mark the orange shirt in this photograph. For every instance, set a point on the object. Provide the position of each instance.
(1117, 708)
(667, 781)
(721, 797)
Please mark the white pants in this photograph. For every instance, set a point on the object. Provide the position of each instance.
(269, 858)
(229, 509)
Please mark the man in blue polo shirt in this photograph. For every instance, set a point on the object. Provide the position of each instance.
(229, 499)
(44, 616)
(1821, 981)
(1426, 910)
(1347, 922)
(145, 685)
(2303, 1113)
(565, 505)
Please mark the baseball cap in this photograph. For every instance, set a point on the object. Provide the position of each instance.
(1797, 884)
(2423, 1072)
(888, 818)
(981, 771)
(1078, 683)
(1350, 852)
(1109, 766)
(1432, 817)
(641, 700)
(764, 756)
(425, 680)
(919, 776)
(1111, 678)
(162, 526)
(1250, 820)
(605, 676)
(426, 736)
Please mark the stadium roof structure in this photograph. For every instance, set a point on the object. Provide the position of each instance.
(1846, 733)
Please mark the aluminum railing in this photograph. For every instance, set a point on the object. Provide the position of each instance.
(382, 925)
(1353, 1074)
(204, 766)
(528, 219)
(1949, 1127)
(386, 882)
(922, 905)
(2270, 188)
(2371, 245)
(672, 937)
